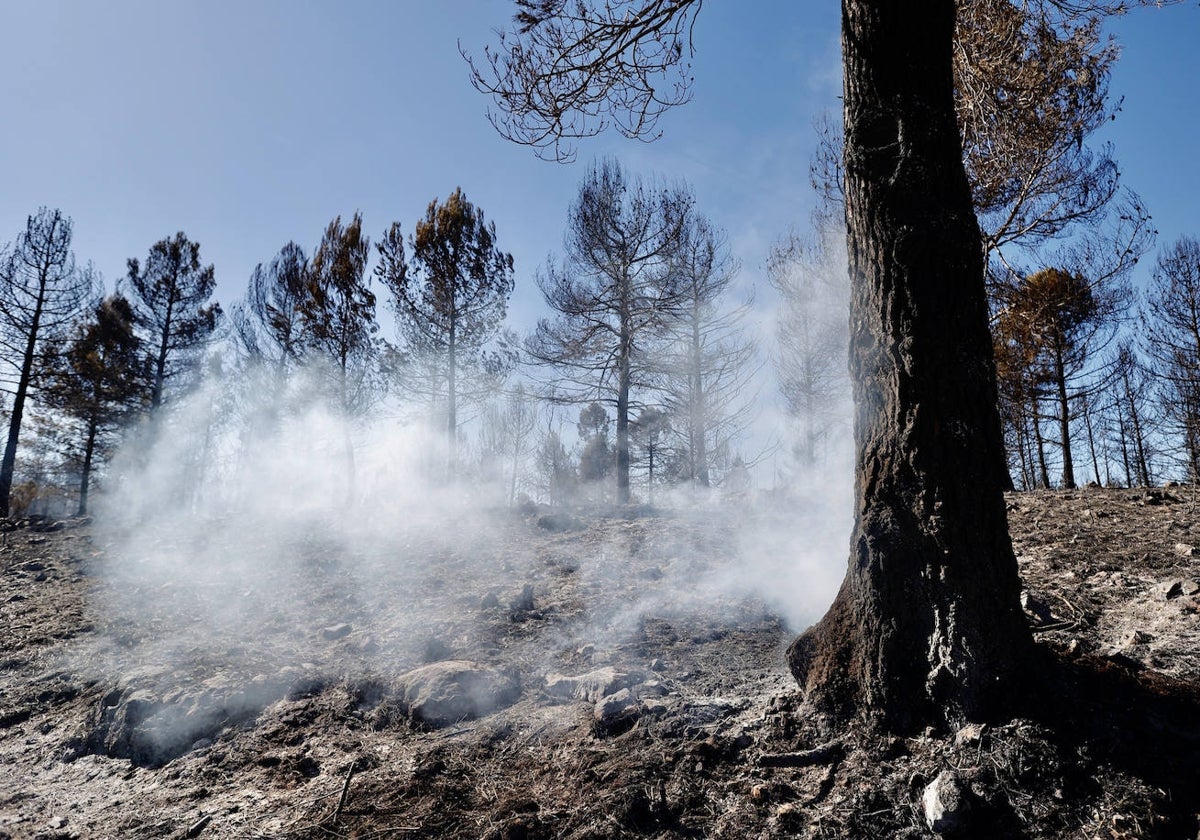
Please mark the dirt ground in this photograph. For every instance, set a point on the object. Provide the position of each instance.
(535, 680)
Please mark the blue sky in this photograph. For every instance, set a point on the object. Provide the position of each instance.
(246, 124)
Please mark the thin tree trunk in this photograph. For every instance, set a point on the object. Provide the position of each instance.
(1026, 456)
(1041, 445)
(160, 361)
(699, 422)
(1124, 437)
(1139, 441)
(452, 405)
(89, 449)
(1091, 438)
(1064, 418)
(623, 384)
(927, 628)
(8, 466)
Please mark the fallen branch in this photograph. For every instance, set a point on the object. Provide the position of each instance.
(805, 758)
(198, 826)
(345, 791)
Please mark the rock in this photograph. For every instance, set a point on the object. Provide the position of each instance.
(1134, 638)
(447, 692)
(1035, 607)
(1167, 590)
(151, 730)
(589, 687)
(1185, 550)
(657, 665)
(524, 601)
(947, 805)
(558, 522)
(1189, 587)
(616, 713)
(335, 631)
(970, 734)
(490, 601)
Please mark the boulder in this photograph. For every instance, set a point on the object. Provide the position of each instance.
(616, 713)
(589, 687)
(447, 692)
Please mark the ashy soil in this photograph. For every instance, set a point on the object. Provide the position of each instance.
(545, 677)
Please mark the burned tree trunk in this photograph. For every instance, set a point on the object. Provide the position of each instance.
(927, 627)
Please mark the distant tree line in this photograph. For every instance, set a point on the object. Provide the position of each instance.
(644, 345)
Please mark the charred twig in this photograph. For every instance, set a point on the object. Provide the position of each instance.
(198, 826)
(337, 813)
(823, 754)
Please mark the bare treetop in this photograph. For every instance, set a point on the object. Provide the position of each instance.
(572, 68)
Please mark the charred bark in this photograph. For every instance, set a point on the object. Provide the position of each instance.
(927, 627)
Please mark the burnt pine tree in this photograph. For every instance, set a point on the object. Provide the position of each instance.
(705, 368)
(1055, 313)
(615, 290)
(927, 627)
(42, 291)
(171, 296)
(812, 334)
(267, 326)
(99, 384)
(1171, 332)
(337, 313)
(450, 296)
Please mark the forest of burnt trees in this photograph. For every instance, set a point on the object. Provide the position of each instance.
(645, 371)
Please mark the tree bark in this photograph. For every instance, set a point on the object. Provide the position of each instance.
(89, 451)
(9, 463)
(927, 628)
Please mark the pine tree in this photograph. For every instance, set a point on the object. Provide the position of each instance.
(42, 291)
(339, 326)
(99, 385)
(450, 296)
(613, 294)
(171, 296)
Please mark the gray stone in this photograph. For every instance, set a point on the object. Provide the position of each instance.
(1134, 638)
(524, 601)
(447, 692)
(616, 713)
(335, 632)
(947, 804)
(589, 687)
(1167, 590)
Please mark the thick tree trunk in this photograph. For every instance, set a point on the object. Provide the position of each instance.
(927, 627)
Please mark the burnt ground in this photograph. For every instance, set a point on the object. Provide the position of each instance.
(537, 680)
